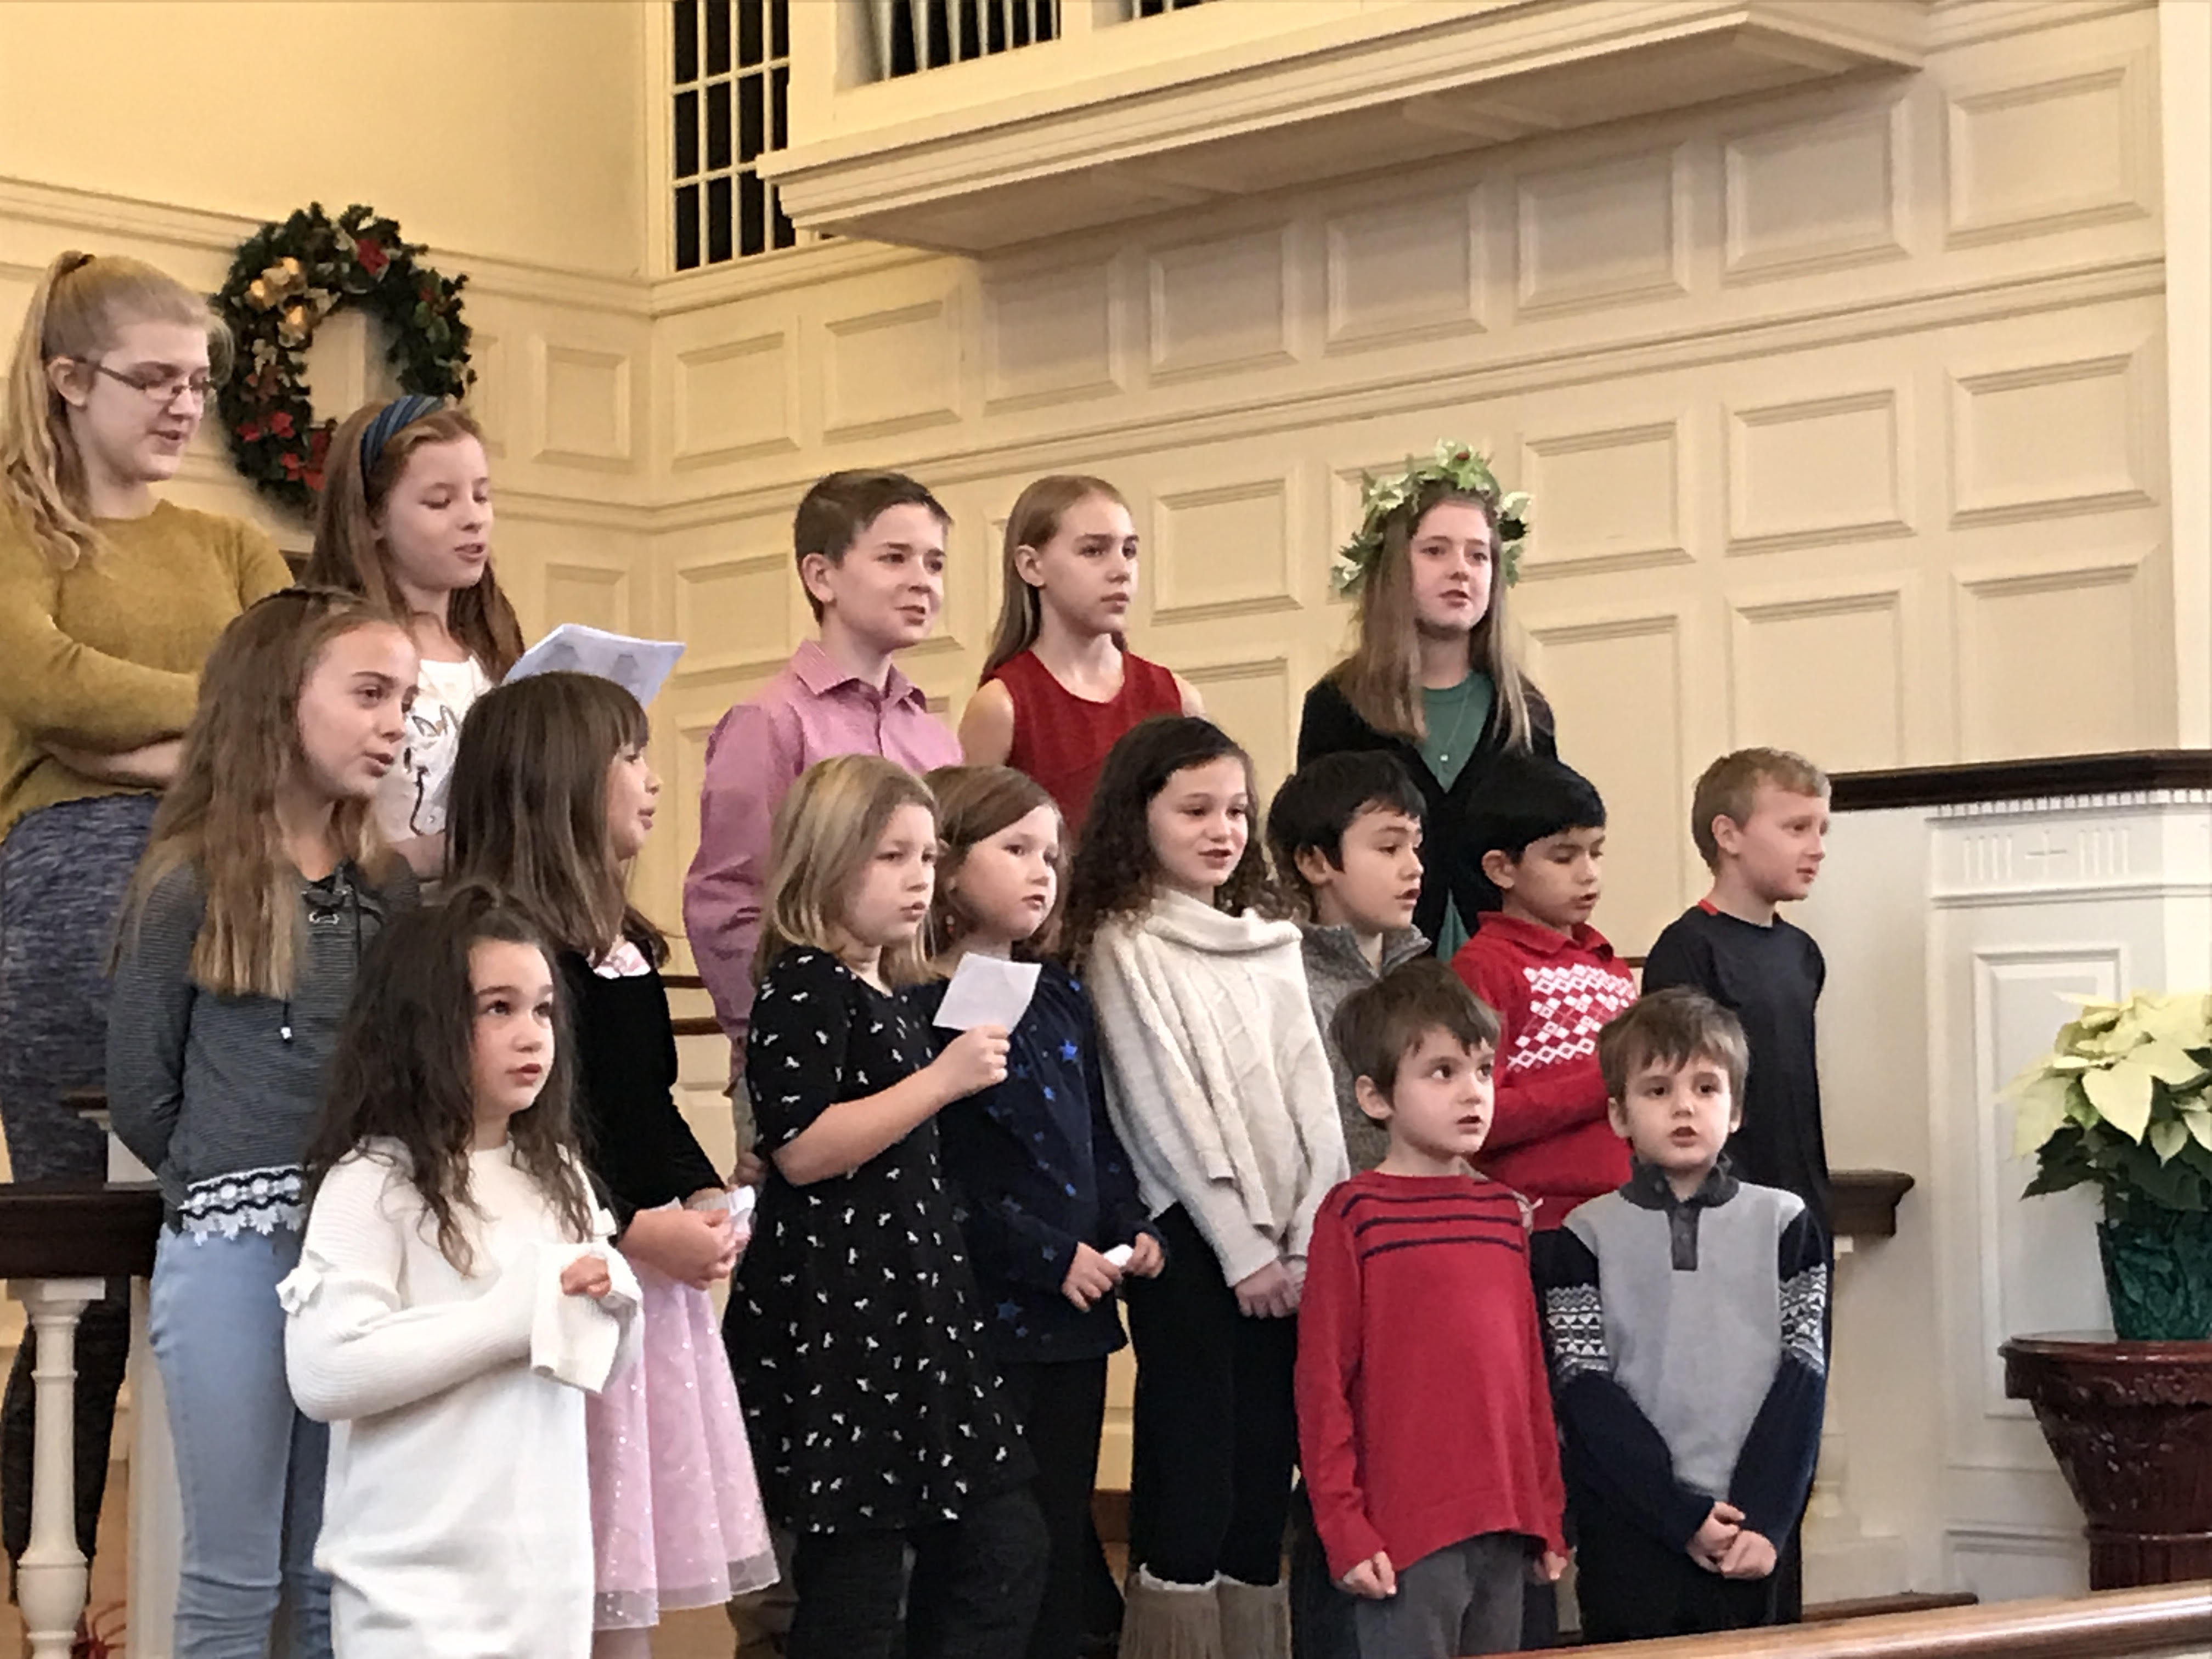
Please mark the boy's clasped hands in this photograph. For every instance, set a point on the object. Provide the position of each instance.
(1723, 1546)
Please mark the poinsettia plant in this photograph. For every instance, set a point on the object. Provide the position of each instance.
(2124, 1102)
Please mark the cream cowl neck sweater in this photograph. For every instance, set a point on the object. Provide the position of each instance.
(1216, 1077)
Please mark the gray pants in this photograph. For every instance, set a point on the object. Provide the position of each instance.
(63, 870)
(1463, 1599)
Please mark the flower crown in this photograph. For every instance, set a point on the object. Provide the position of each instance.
(1455, 464)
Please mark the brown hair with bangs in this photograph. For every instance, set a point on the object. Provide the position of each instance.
(528, 813)
(1382, 677)
(349, 551)
(1671, 1028)
(220, 816)
(975, 803)
(826, 831)
(1379, 1025)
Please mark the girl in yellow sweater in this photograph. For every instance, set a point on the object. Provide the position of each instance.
(110, 600)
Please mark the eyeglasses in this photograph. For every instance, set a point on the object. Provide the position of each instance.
(160, 387)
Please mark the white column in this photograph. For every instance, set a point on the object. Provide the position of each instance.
(1845, 1561)
(51, 1580)
(2184, 50)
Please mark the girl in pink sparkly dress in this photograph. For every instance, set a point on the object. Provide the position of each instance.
(552, 797)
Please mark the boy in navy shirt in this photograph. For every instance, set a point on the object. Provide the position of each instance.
(1759, 819)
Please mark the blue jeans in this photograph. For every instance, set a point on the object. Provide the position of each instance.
(249, 1465)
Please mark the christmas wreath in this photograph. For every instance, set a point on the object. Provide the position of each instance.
(285, 280)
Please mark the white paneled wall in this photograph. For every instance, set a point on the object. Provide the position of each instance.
(1844, 413)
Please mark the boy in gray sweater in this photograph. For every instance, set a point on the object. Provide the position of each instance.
(1686, 1316)
(1345, 832)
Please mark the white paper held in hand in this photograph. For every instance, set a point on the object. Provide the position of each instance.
(640, 667)
(1119, 1254)
(988, 991)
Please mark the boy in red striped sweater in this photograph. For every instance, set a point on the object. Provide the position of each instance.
(1554, 982)
(1425, 1415)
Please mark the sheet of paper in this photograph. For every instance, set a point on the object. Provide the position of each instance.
(988, 991)
(640, 667)
(1119, 1254)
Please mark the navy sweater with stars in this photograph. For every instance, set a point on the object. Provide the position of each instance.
(1036, 1168)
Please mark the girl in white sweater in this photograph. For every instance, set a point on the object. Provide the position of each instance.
(1220, 1089)
(455, 1298)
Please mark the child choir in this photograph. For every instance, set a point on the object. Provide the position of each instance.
(433, 1306)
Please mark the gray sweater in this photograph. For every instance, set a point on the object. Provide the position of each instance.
(220, 1094)
(1335, 969)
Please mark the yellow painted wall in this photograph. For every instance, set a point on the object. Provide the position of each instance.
(512, 131)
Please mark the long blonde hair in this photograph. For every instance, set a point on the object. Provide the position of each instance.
(74, 312)
(528, 813)
(1382, 677)
(349, 553)
(1035, 520)
(220, 816)
(826, 831)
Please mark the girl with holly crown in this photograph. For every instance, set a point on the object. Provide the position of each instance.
(1433, 676)
(405, 519)
(1060, 684)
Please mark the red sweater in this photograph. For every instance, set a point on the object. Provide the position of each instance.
(1425, 1415)
(1548, 1134)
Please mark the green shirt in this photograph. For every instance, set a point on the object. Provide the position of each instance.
(1455, 719)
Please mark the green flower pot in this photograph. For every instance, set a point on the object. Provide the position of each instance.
(2158, 1272)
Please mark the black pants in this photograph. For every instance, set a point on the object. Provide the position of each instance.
(1631, 1586)
(972, 1594)
(1217, 1432)
(1322, 1622)
(1062, 1408)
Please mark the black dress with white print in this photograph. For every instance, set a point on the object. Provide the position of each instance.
(855, 1325)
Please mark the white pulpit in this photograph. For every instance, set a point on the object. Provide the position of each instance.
(1959, 909)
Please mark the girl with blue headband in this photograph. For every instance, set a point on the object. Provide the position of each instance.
(407, 519)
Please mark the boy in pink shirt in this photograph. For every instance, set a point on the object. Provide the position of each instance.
(870, 548)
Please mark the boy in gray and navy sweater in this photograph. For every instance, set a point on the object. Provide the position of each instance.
(1684, 1314)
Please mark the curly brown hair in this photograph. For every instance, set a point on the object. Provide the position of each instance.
(401, 1074)
(1115, 867)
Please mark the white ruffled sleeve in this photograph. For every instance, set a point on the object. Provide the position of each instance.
(581, 1340)
(352, 1348)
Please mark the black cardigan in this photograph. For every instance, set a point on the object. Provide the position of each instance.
(640, 1151)
(1451, 862)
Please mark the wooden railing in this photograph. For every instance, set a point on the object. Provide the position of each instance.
(60, 1243)
(2170, 1619)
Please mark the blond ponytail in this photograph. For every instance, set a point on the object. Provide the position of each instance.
(74, 313)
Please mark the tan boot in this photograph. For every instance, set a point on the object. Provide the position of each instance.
(1160, 1620)
(1255, 1620)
